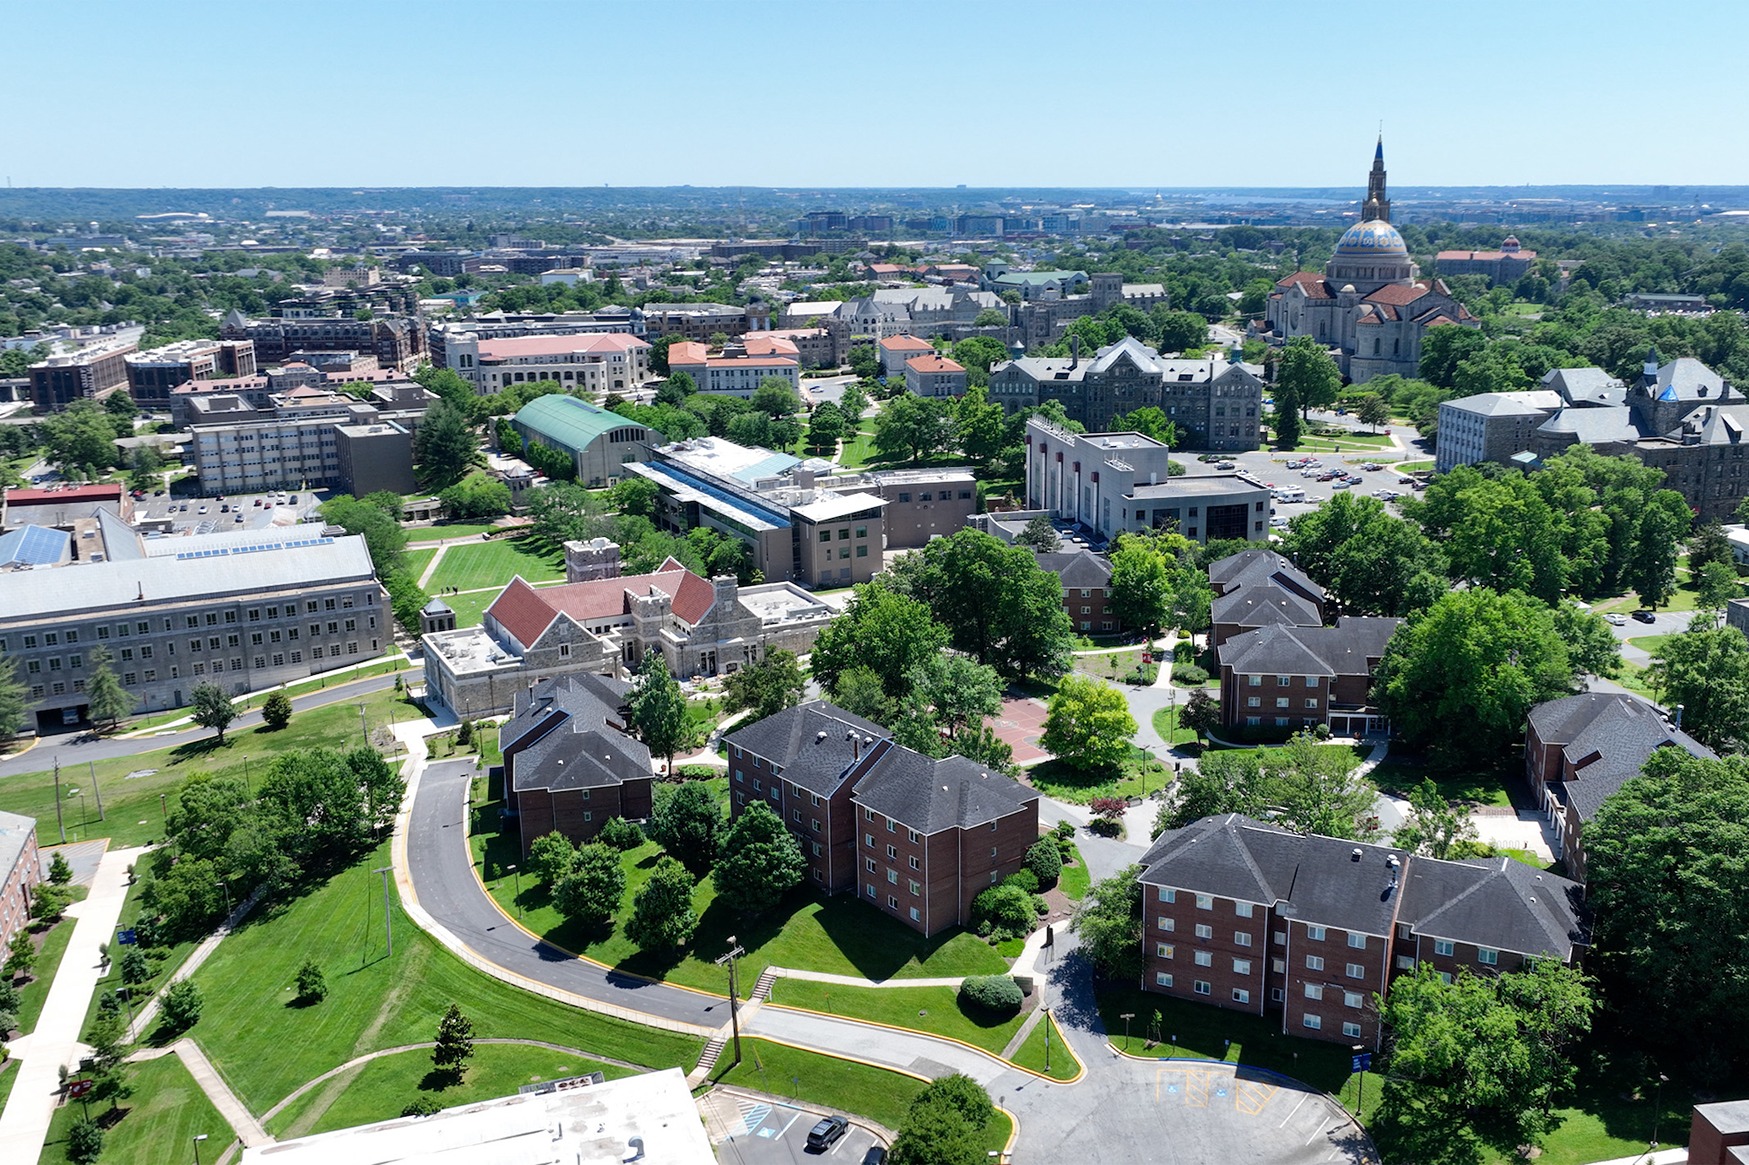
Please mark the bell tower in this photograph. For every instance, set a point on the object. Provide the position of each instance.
(1377, 205)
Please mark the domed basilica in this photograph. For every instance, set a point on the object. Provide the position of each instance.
(1370, 304)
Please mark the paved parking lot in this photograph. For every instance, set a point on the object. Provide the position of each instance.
(749, 1130)
(186, 514)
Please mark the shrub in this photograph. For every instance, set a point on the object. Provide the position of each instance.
(1184, 651)
(182, 1004)
(49, 902)
(60, 871)
(312, 986)
(84, 1142)
(1106, 826)
(1003, 912)
(1108, 806)
(276, 713)
(550, 857)
(1045, 862)
(1189, 674)
(1064, 830)
(621, 834)
(422, 1106)
(997, 994)
(1023, 878)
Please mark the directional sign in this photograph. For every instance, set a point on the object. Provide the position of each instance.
(1362, 1062)
(126, 938)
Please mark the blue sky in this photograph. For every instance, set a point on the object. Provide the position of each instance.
(886, 92)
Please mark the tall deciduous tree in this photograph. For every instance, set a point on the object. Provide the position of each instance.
(212, 708)
(982, 426)
(1088, 724)
(1706, 671)
(912, 427)
(658, 708)
(1372, 562)
(1317, 791)
(1434, 825)
(760, 861)
(1109, 925)
(1202, 713)
(688, 823)
(591, 890)
(958, 692)
(1141, 586)
(881, 630)
(662, 915)
(1462, 675)
(455, 1043)
(1307, 373)
(13, 702)
(767, 687)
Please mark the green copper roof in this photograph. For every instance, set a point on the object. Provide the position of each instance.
(565, 420)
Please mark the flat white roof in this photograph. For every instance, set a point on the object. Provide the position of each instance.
(837, 506)
(593, 1124)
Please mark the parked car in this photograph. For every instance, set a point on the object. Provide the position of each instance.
(239, 516)
(1386, 495)
(1278, 522)
(202, 510)
(1341, 483)
(1616, 620)
(826, 1133)
(1645, 616)
(225, 509)
(876, 1155)
(1226, 465)
(1372, 466)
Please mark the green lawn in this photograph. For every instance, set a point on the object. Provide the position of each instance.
(1413, 466)
(8, 1077)
(1031, 1054)
(828, 1082)
(936, 1010)
(1652, 644)
(1402, 773)
(167, 1111)
(48, 961)
(1075, 881)
(394, 662)
(838, 935)
(450, 530)
(380, 1089)
(373, 1001)
(491, 564)
(1139, 775)
(163, 961)
(856, 452)
(418, 560)
(132, 785)
(1166, 724)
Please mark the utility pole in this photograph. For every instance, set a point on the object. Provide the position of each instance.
(1126, 1017)
(388, 919)
(734, 996)
(59, 822)
(95, 791)
(363, 726)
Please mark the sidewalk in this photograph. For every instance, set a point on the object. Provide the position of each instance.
(249, 1130)
(200, 954)
(25, 1123)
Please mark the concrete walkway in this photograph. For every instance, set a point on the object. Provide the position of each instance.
(144, 1017)
(249, 1130)
(55, 1042)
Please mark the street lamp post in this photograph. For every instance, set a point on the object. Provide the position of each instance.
(388, 919)
(1047, 1040)
(197, 1140)
(79, 793)
(1126, 1017)
(734, 996)
(1360, 1096)
(1658, 1110)
(247, 783)
(363, 726)
(516, 876)
(223, 885)
(60, 822)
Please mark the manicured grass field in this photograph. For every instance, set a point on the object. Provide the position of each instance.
(1651, 644)
(48, 960)
(379, 1089)
(374, 1001)
(450, 530)
(830, 1083)
(936, 1010)
(1139, 775)
(491, 564)
(132, 785)
(837, 935)
(1031, 1054)
(8, 1077)
(1166, 724)
(418, 560)
(857, 451)
(167, 1111)
(163, 961)
(1402, 774)
(1075, 881)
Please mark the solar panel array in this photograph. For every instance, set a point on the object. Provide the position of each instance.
(227, 551)
(33, 546)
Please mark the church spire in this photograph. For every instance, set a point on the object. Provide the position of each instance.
(1377, 205)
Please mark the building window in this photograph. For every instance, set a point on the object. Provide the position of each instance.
(1201, 987)
(1162, 979)
(870, 864)
(1356, 971)
(1315, 933)
(1277, 995)
(892, 853)
(1314, 962)
(1443, 946)
(1357, 941)
(1163, 950)
(1205, 902)
(1315, 1023)
(1314, 991)
(1205, 959)
(1405, 962)
(1241, 966)
(1487, 955)
(892, 877)
(1351, 1030)
(1241, 938)
(1166, 924)
(1240, 995)
(1280, 937)
(1351, 999)
(1242, 909)
(1167, 895)
(1204, 932)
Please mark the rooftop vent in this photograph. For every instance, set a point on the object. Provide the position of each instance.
(1354, 854)
(820, 737)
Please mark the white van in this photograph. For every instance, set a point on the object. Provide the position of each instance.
(1290, 495)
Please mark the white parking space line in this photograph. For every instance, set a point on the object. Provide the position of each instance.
(1290, 1115)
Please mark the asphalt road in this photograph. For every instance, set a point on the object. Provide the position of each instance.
(75, 748)
(443, 876)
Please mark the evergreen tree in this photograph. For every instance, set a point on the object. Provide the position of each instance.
(444, 447)
(13, 704)
(276, 713)
(455, 1044)
(106, 698)
(662, 915)
(760, 862)
(658, 708)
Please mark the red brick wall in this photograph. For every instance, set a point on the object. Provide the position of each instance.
(20, 882)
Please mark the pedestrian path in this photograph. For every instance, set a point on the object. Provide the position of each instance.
(190, 965)
(249, 1130)
(24, 1125)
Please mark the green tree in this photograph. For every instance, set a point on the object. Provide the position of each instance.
(912, 427)
(765, 688)
(1182, 329)
(1307, 373)
(181, 1005)
(79, 439)
(550, 857)
(990, 318)
(935, 1134)
(958, 692)
(380, 529)
(676, 388)
(1109, 924)
(20, 956)
(1142, 594)
(1591, 648)
(1149, 421)
(444, 446)
(1652, 569)
(981, 425)
(1443, 349)
(591, 890)
(1040, 534)
(662, 915)
(312, 985)
(276, 713)
(1434, 825)
(826, 427)
(455, 1044)
(109, 1051)
(776, 397)
(1705, 670)
(106, 699)
(688, 823)
(658, 708)
(854, 402)
(1316, 789)
(135, 967)
(1371, 562)
(478, 495)
(1230, 781)
(1666, 881)
(1201, 714)
(1287, 418)
(1715, 585)
(882, 630)
(760, 861)
(1088, 725)
(860, 691)
(1707, 544)
(864, 361)
(84, 1142)
(13, 705)
(1373, 411)
(1461, 676)
(60, 870)
(1045, 860)
(211, 708)
(1498, 532)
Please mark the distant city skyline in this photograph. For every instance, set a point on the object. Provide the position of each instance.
(1122, 93)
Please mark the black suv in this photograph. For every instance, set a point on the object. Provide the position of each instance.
(825, 1134)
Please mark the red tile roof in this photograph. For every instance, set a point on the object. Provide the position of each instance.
(766, 344)
(1486, 256)
(526, 612)
(1399, 294)
(933, 364)
(72, 493)
(906, 344)
(687, 352)
(1311, 284)
(593, 342)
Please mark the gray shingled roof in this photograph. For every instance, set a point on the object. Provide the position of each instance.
(810, 743)
(1607, 737)
(931, 795)
(1692, 381)
(1495, 902)
(1585, 386)
(1345, 649)
(1080, 568)
(1594, 426)
(1257, 567)
(571, 736)
(1264, 605)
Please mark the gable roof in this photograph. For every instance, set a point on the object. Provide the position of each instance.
(1495, 902)
(567, 733)
(1078, 568)
(814, 745)
(526, 611)
(1347, 649)
(1262, 605)
(1606, 737)
(1399, 294)
(1252, 567)
(930, 795)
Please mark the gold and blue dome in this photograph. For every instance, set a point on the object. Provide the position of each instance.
(1372, 239)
